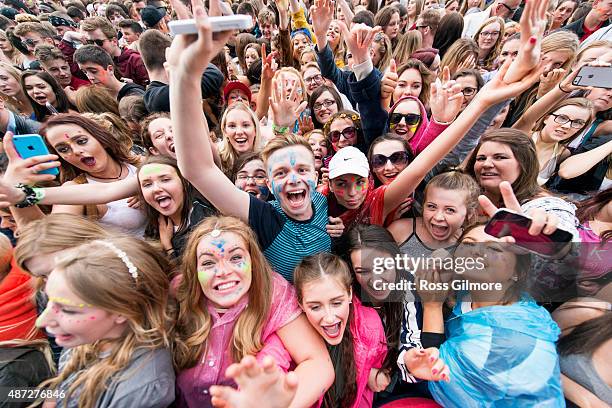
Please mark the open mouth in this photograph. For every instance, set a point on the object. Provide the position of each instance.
(391, 175)
(296, 198)
(41, 100)
(332, 331)
(439, 230)
(241, 141)
(171, 147)
(164, 202)
(61, 338)
(226, 286)
(88, 161)
(487, 174)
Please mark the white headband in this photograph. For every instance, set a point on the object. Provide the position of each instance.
(123, 256)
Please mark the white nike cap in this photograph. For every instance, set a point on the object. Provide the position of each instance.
(349, 160)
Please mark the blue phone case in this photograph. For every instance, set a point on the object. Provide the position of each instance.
(33, 145)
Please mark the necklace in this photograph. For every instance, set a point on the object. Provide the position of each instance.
(112, 178)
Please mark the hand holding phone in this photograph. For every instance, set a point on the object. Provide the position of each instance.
(535, 232)
(596, 76)
(33, 146)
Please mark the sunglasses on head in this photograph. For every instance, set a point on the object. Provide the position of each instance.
(98, 42)
(348, 133)
(397, 158)
(411, 119)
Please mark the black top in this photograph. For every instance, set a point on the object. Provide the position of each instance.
(130, 89)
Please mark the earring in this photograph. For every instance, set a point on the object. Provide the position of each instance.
(515, 278)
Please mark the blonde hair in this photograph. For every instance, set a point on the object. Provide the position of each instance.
(114, 125)
(563, 41)
(282, 142)
(595, 44)
(407, 45)
(194, 323)
(494, 52)
(457, 53)
(54, 233)
(226, 151)
(96, 274)
(14, 55)
(6, 254)
(457, 180)
(15, 73)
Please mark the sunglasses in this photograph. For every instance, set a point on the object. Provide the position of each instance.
(412, 119)
(397, 158)
(98, 42)
(348, 133)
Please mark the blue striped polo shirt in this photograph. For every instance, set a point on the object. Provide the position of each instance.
(285, 241)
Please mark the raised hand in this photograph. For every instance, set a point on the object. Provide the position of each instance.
(190, 54)
(403, 208)
(388, 83)
(322, 14)
(286, 108)
(267, 61)
(9, 194)
(26, 170)
(446, 98)
(305, 125)
(359, 39)
(533, 24)
(541, 222)
(426, 364)
(257, 383)
(468, 63)
(378, 380)
(567, 84)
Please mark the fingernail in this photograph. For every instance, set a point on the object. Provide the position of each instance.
(532, 40)
(434, 372)
(432, 359)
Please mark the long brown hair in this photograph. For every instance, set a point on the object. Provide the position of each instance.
(96, 274)
(152, 215)
(194, 322)
(314, 268)
(583, 103)
(525, 186)
(116, 150)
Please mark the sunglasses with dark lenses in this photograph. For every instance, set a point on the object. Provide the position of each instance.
(98, 42)
(412, 119)
(348, 133)
(397, 158)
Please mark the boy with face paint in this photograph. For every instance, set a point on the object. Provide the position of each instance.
(289, 228)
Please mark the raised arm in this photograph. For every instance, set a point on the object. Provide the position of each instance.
(579, 164)
(188, 56)
(497, 90)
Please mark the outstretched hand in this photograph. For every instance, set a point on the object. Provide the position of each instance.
(190, 54)
(359, 39)
(533, 25)
(257, 383)
(286, 108)
(446, 98)
(322, 14)
(426, 364)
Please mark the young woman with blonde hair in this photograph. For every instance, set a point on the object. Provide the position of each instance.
(108, 309)
(241, 134)
(230, 305)
(12, 93)
(463, 54)
(489, 39)
(10, 53)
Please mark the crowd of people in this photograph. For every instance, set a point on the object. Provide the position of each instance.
(220, 216)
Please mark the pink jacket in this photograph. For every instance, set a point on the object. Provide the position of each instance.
(370, 348)
(427, 130)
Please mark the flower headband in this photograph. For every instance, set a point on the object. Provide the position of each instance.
(123, 256)
(342, 115)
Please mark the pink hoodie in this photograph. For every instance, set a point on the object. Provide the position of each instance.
(427, 130)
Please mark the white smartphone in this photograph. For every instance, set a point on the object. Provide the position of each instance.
(220, 23)
(599, 77)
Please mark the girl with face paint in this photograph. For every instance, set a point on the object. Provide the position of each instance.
(354, 333)
(108, 309)
(231, 304)
(171, 206)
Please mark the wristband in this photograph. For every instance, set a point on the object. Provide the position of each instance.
(32, 195)
(563, 90)
(279, 129)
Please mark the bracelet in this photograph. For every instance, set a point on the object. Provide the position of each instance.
(563, 90)
(279, 129)
(32, 195)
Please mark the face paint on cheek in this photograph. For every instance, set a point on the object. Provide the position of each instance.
(245, 267)
(205, 276)
(413, 129)
(264, 192)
